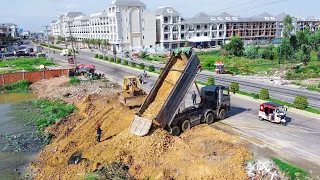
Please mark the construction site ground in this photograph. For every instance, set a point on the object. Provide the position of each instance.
(201, 153)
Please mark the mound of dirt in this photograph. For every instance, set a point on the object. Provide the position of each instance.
(201, 153)
(58, 88)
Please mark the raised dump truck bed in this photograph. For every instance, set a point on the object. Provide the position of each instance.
(140, 125)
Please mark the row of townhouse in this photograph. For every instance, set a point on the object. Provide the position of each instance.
(9, 29)
(210, 30)
(128, 25)
(125, 23)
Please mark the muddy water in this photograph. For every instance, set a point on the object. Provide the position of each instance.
(14, 157)
(16, 97)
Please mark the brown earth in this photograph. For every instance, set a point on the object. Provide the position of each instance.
(58, 88)
(201, 153)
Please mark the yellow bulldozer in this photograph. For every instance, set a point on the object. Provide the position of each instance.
(131, 96)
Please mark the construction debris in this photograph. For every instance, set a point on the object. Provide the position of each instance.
(264, 169)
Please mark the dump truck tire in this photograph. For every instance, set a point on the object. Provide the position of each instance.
(175, 131)
(186, 125)
(222, 114)
(209, 118)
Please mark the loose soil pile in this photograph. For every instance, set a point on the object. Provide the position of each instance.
(59, 88)
(201, 153)
(164, 91)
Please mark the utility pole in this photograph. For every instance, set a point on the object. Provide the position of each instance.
(48, 41)
(73, 51)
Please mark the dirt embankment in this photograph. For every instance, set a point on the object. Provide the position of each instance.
(73, 94)
(201, 153)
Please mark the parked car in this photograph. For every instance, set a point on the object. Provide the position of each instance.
(4, 54)
(21, 53)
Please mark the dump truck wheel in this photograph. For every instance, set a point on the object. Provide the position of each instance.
(222, 114)
(186, 125)
(209, 118)
(175, 131)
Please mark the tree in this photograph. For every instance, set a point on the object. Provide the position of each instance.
(264, 94)
(302, 38)
(301, 102)
(104, 43)
(304, 53)
(235, 47)
(318, 54)
(288, 27)
(92, 41)
(60, 38)
(285, 50)
(294, 42)
(210, 81)
(98, 42)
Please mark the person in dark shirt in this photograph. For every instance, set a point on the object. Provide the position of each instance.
(194, 98)
(99, 132)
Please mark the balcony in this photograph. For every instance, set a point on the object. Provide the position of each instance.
(191, 29)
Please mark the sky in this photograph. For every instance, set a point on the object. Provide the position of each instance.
(32, 15)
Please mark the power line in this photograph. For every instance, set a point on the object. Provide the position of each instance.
(235, 6)
(258, 6)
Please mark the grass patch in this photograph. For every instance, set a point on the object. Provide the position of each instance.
(292, 171)
(115, 171)
(18, 87)
(41, 113)
(74, 81)
(27, 64)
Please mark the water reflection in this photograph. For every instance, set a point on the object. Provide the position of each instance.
(16, 97)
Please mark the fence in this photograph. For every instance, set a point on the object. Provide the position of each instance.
(35, 76)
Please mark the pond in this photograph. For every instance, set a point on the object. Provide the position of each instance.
(15, 138)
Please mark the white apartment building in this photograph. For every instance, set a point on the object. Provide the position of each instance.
(124, 23)
(9, 29)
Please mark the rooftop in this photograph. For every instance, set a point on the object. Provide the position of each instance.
(128, 3)
(166, 11)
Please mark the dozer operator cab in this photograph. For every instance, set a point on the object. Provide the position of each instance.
(132, 95)
(213, 97)
(130, 85)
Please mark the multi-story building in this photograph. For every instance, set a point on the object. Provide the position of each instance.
(10, 29)
(124, 23)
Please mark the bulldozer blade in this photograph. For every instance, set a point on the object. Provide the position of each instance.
(140, 126)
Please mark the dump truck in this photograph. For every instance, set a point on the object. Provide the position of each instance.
(131, 96)
(215, 100)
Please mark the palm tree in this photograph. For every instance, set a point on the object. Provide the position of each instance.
(104, 43)
(91, 41)
(96, 42)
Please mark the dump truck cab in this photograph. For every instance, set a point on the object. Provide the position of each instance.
(215, 102)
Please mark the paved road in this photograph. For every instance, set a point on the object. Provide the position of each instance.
(300, 138)
(281, 92)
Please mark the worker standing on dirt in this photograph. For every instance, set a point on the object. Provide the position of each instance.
(194, 98)
(99, 132)
(145, 74)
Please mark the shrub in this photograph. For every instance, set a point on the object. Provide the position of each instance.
(100, 56)
(210, 81)
(318, 85)
(105, 58)
(118, 61)
(96, 56)
(74, 80)
(132, 64)
(111, 59)
(301, 102)
(20, 86)
(250, 52)
(143, 55)
(125, 62)
(151, 68)
(234, 87)
(255, 96)
(141, 66)
(264, 94)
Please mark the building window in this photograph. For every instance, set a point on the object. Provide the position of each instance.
(198, 34)
(205, 34)
(142, 37)
(205, 26)
(198, 27)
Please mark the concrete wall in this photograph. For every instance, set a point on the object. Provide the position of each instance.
(10, 78)
(149, 32)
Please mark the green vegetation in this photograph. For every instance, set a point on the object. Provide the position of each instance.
(51, 112)
(18, 87)
(292, 171)
(143, 55)
(74, 81)
(234, 87)
(96, 56)
(132, 64)
(118, 61)
(27, 64)
(42, 113)
(301, 102)
(235, 47)
(141, 66)
(151, 68)
(105, 58)
(264, 94)
(100, 56)
(210, 81)
(125, 62)
(51, 46)
(114, 171)
(111, 59)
